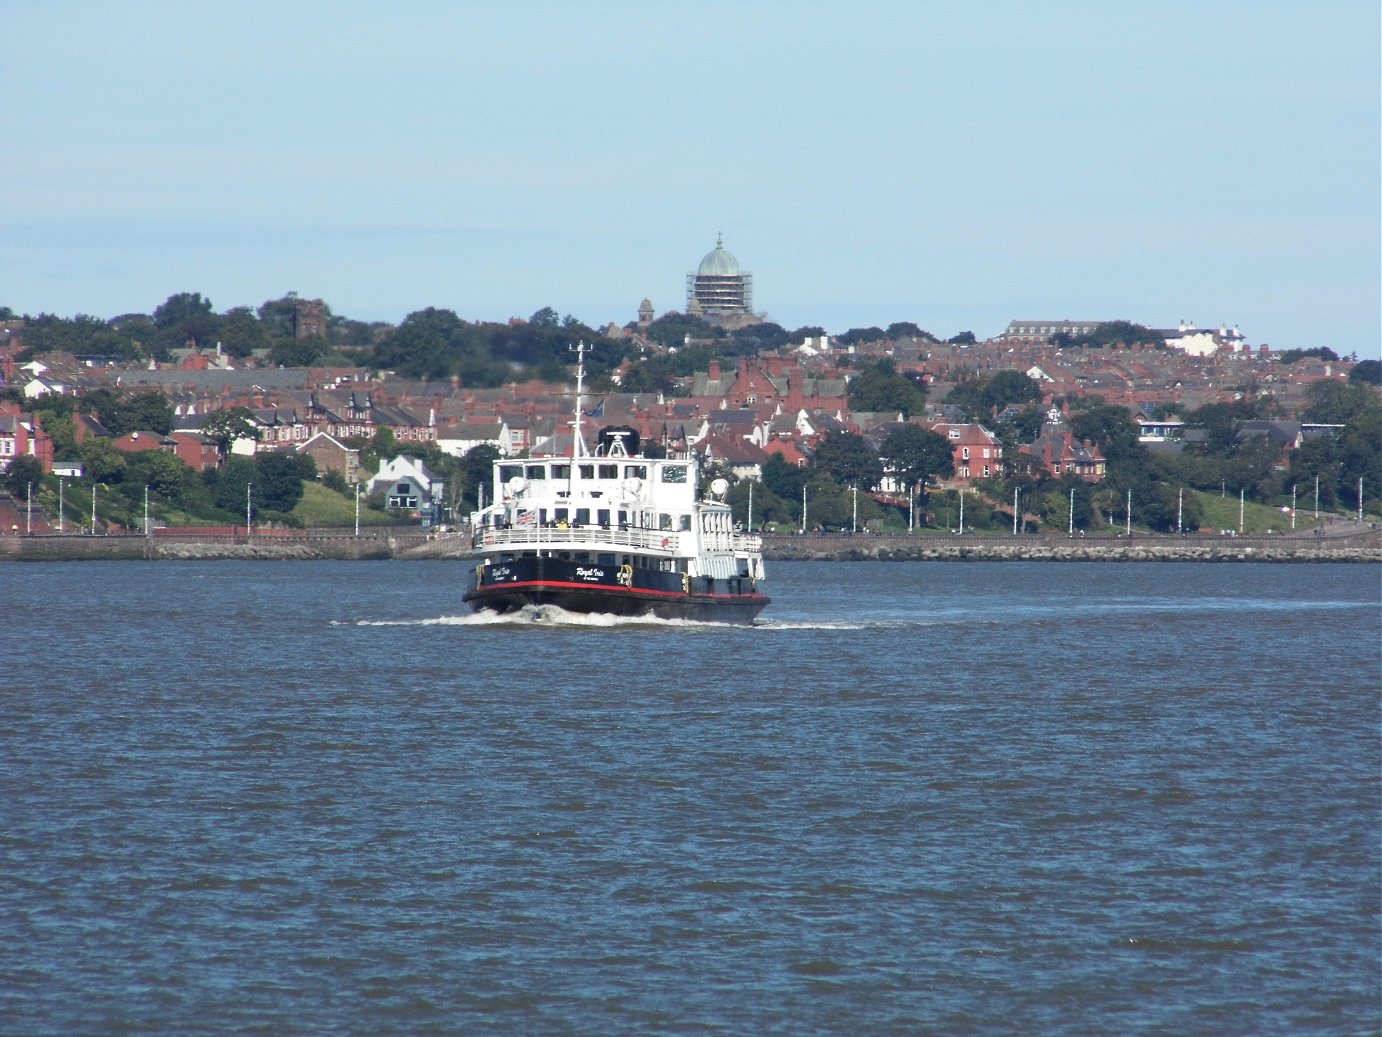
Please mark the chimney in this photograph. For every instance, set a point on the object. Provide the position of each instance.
(714, 370)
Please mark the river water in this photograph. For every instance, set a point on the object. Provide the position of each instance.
(982, 798)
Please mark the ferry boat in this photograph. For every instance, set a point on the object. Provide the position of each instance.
(607, 530)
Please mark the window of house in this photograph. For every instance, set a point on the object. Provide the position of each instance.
(986, 451)
(964, 453)
(986, 471)
(954, 433)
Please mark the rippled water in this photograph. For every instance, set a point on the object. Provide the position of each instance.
(917, 797)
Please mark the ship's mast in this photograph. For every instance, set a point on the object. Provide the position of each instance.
(578, 448)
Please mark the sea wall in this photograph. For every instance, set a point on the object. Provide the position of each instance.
(1364, 545)
(1360, 547)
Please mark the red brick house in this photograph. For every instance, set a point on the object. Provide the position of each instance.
(975, 451)
(22, 435)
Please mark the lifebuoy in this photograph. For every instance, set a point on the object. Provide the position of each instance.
(666, 542)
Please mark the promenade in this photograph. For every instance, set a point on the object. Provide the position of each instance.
(1348, 541)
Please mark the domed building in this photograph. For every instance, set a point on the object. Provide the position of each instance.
(719, 290)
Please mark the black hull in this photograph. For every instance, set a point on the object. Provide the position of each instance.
(586, 587)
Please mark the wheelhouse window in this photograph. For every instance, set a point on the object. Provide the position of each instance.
(674, 473)
(609, 471)
(635, 471)
(537, 471)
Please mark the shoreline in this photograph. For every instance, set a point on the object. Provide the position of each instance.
(1363, 545)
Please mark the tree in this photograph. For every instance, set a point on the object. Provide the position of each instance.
(278, 479)
(1368, 372)
(1290, 356)
(964, 338)
(849, 460)
(233, 477)
(856, 335)
(881, 388)
(298, 352)
(102, 461)
(186, 317)
(782, 479)
(142, 412)
(23, 472)
(913, 455)
(241, 333)
(906, 329)
(226, 426)
(475, 470)
(1113, 429)
(1010, 387)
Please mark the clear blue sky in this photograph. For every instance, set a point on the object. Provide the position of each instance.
(956, 165)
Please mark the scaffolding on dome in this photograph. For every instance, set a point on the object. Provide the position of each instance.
(714, 294)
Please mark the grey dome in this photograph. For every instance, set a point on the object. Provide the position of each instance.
(718, 263)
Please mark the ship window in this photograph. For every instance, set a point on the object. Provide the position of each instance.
(537, 471)
(561, 471)
(508, 471)
(664, 521)
(587, 471)
(602, 517)
(609, 471)
(685, 523)
(635, 471)
(674, 473)
(582, 516)
(562, 514)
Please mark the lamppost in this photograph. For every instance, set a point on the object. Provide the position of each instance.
(62, 525)
(248, 513)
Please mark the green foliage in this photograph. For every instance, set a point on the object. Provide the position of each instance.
(298, 352)
(241, 333)
(660, 372)
(783, 479)
(1111, 427)
(23, 472)
(1290, 356)
(854, 336)
(235, 474)
(1368, 372)
(881, 388)
(81, 336)
(964, 338)
(475, 470)
(120, 413)
(1111, 333)
(847, 458)
(673, 330)
(230, 424)
(278, 479)
(981, 398)
(183, 318)
(915, 455)
(906, 329)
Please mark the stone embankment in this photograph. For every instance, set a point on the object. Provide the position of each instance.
(1356, 544)
(1364, 546)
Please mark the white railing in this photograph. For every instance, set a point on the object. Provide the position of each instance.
(595, 538)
